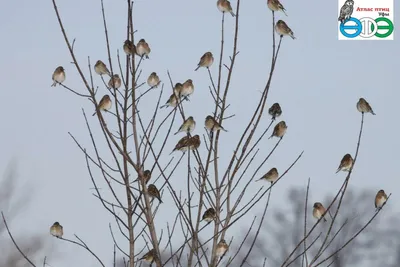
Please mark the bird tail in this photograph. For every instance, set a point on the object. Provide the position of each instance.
(163, 106)
(338, 170)
(233, 14)
(54, 84)
(271, 136)
(223, 129)
(283, 10)
(372, 112)
(292, 35)
(172, 151)
(197, 67)
(325, 220)
(94, 113)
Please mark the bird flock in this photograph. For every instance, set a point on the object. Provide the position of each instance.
(189, 142)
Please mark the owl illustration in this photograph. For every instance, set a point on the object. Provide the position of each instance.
(346, 11)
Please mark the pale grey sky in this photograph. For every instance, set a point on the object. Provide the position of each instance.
(317, 81)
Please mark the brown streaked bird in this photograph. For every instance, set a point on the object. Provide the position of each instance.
(187, 143)
(209, 215)
(187, 126)
(222, 248)
(129, 48)
(275, 111)
(172, 102)
(283, 29)
(212, 125)
(187, 88)
(364, 107)
(380, 199)
(345, 164)
(117, 82)
(319, 211)
(101, 68)
(206, 60)
(56, 230)
(178, 89)
(225, 6)
(275, 5)
(143, 48)
(153, 192)
(271, 176)
(104, 104)
(194, 142)
(153, 80)
(147, 176)
(150, 256)
(58, 76)
(279, 130)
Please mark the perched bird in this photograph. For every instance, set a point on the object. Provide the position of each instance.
(271, 176)
(209, 215)
(212, 125)
(153, 192)
(205, 61)
(319, 211)
(380, 199)
(105, 104)
(275, 5)
(283, 29)
(58, 76)
(101, 68)
(346, 11)
(225, 6)
(117, 82)
(187, 89)
(275, 111)
(172, 101)
(129, 48)
(147, 176)
(178, 89)
(187, 126)
(153, 80)
(56, 230)
(222, 248)
(150, 256)
(143, 48)
(279, 130)
(346, 163)
(187, 143)
(364, 107)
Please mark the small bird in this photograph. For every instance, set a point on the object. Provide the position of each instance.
(279, 130)
(209, 215)
(147, 176)
(225, 6)
(271, 176)
(205, 61)
(150, 256)
(105, 104)
(178, 89)
(380, 199)
(212, 125)
(187, 143)
(275, 111)
(187, 126)
(275, 5)
(172, 101)
(129, 48)
(364, 107)
(117, 82)
(319, 211)
(143, 48)
(283, 29)
(346, 163)
(58, 76)
(153, 80)
(222, 248)
(153, 192)
(187, 89)
(101, 68)
(56, 230)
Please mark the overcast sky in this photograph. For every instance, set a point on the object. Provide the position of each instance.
(318, 81)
